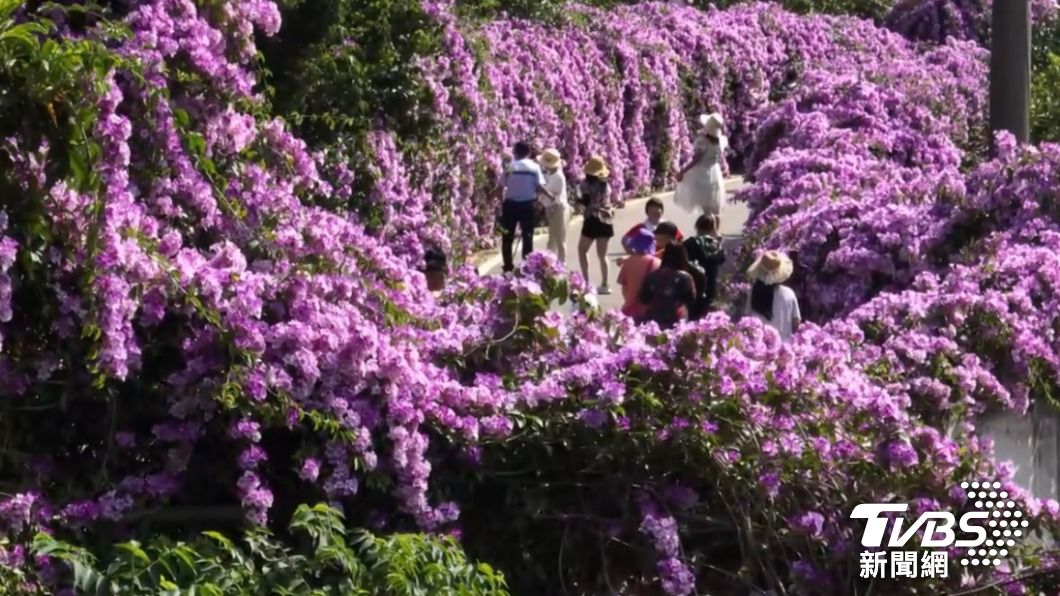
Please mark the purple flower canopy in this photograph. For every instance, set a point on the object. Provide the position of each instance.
(936, 20)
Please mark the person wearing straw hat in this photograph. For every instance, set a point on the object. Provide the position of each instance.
(598, 226)
(701, 183)
(557, 209)
(770, 300)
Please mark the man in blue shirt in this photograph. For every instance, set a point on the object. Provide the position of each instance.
(523, 181)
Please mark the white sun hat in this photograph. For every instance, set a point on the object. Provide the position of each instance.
(712, 123)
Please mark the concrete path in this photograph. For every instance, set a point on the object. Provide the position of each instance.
(733, 216)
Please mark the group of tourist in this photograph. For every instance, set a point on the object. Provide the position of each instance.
(528, 183)
(664, 277)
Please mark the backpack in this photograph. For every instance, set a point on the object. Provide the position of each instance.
(699, 275)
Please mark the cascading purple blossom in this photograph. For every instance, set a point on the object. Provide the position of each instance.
(935, 20)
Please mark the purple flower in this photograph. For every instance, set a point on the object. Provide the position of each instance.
(497, 426)
(251, 457)
(17, 511)
(310, 470)
(662, 530)
(593, 418)
(247, 429)
(810, 522)
(770, 481)
(900, 454)
(676, 579)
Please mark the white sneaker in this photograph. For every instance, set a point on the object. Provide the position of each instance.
(604, 290)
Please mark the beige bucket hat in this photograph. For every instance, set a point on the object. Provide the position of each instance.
(596, 166)
(772, 267)
(550, 158)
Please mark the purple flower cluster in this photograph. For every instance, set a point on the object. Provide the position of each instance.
(674, 575)
(662, 531)
(936, 20)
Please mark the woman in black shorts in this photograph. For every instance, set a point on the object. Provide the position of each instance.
(598, 226)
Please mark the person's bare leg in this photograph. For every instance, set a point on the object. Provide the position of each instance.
(601, 253)
(583, 256)
(561, 238)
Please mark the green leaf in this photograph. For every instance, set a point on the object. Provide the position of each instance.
(182, 118)
(220, 539)
(133, 549)
(88, 580)
(25, 34)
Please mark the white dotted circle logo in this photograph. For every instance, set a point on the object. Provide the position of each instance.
(1003, 519)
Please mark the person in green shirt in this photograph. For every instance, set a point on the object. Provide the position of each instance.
(706, 253)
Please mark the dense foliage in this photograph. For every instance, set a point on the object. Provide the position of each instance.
(330, 560)
(341, 69)
(191, 321)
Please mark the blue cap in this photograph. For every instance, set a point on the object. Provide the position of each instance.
(643, 242)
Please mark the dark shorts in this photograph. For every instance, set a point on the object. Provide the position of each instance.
(595, 229)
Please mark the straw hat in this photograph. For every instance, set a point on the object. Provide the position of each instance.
(550, 159)
(772, 268)
(712, 123)
(596, 166)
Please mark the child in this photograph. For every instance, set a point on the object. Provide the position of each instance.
(666, 234)
(654, 211)
(557, 211)
(706, 252)
(635, 269)
(436, 270)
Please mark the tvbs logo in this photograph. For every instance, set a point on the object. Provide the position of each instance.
(938, 527)
(991, 527)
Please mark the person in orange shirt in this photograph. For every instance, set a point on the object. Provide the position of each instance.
(635, 269)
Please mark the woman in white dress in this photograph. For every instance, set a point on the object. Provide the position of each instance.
(701, 184)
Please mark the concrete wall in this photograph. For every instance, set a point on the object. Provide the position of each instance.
(1031, 443)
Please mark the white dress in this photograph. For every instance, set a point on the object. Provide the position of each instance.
(703, 186)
